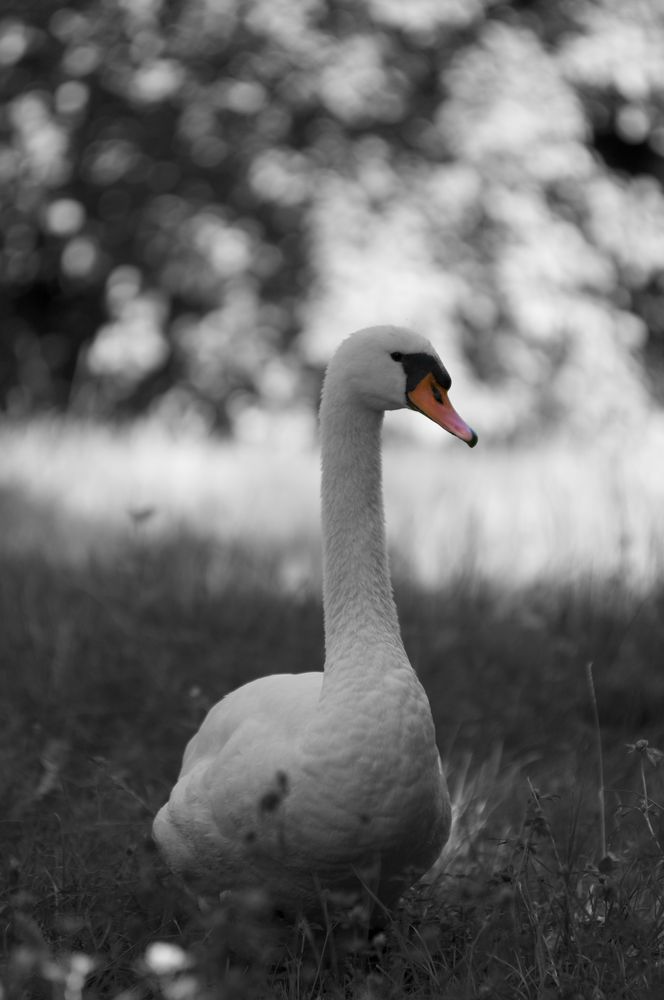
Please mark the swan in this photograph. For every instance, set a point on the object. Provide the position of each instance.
(326, 788)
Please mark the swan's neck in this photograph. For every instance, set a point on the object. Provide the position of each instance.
(359, 608)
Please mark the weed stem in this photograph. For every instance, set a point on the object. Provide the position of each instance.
(600, 760)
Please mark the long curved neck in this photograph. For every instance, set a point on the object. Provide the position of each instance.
(357, 595)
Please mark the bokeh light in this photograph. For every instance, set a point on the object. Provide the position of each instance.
(279, 174)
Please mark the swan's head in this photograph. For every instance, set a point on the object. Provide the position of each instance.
(389, 368)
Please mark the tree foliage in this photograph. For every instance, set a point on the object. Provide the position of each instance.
(199, 199)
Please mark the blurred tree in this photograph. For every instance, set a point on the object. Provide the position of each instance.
(198, 200)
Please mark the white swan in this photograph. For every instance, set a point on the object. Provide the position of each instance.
(314, 784)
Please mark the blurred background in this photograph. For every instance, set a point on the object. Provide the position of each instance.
(200, 199)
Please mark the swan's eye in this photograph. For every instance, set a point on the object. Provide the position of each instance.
(396, 356)
(436, 393)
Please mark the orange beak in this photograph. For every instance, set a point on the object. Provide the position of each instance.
(431, 399)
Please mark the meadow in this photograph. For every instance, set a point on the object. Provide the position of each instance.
(144, 576)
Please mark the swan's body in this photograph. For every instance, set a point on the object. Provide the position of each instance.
(304, 784)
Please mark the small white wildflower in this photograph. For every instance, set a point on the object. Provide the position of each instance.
(77, 969)
(166, 959)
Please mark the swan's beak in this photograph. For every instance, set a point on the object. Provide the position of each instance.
(431, 399)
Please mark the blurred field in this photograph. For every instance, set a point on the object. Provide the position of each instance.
(143, 577)
(548, 513)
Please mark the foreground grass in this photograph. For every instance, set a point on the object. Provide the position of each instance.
(108, 667)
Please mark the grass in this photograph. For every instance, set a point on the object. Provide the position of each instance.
(113, 648)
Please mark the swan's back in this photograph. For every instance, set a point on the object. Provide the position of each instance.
(282, 704)
(231, 771)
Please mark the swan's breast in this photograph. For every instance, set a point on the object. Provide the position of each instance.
(372, 771)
